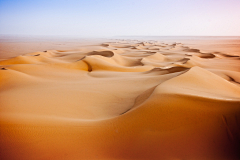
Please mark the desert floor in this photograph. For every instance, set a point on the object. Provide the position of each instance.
(120, 98)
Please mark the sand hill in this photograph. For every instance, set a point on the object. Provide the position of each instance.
(122, 99)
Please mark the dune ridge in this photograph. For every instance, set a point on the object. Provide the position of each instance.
(123, 99)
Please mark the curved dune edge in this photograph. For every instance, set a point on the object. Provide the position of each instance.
(121, 100)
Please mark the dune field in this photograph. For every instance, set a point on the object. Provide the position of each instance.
(170, 99)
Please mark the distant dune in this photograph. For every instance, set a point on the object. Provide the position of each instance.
(122, 99)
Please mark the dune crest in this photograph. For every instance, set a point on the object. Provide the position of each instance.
(201, 81)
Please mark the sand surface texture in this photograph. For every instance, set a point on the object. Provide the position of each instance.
(122, 99)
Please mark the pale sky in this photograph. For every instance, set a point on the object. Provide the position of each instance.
(98, 18)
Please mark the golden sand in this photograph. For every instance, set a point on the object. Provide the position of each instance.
(122, 99)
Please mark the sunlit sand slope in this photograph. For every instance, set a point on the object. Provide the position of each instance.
(120, 100)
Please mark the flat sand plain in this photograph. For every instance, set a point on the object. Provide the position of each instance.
(118, 99)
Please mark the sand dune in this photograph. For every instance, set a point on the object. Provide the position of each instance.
(122, 99)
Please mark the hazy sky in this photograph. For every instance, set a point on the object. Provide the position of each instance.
(121, 17)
